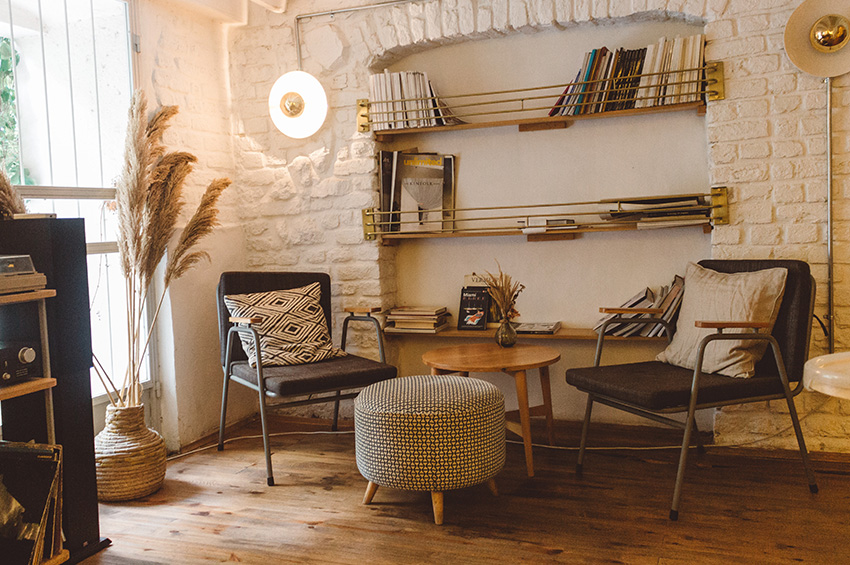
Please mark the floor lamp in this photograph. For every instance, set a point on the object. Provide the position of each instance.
(816, 40)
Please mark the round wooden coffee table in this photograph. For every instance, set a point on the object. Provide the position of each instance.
(515, 361)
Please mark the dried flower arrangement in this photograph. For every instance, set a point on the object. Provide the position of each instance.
(504, 291)
(10, 201)
(149, 200)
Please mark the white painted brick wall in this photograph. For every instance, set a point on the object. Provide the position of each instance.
(766, 142)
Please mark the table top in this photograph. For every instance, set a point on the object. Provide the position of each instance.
(489, 357)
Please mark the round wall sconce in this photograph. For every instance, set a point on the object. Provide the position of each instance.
(298, 104)
(817, 35)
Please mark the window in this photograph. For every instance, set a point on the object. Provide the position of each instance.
(65, 87)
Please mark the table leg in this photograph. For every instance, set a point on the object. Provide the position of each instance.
(524, 417)
(547, 404)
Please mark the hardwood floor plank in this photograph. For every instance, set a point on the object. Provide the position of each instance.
(737, 507)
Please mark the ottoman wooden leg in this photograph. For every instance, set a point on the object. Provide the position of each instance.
(371, 488)
(491, 484)
(437, 503)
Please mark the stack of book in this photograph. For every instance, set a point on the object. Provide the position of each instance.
(665, 72)
(667, 298)
(659, 211)
(405, 99)
(417, 319)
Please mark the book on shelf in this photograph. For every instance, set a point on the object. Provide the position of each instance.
(670, 304)
(474, 308)
(668, 71)
(417, 189)
(423, 191)
(541, 328)
(673, 208)
(405, 99)
(417, 310)
(427, 330)
(630, 303)
(628, 329)
(418, 322)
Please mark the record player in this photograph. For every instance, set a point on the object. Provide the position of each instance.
(17, 274)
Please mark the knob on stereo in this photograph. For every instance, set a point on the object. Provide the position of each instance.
(26, 355)
(6, 376)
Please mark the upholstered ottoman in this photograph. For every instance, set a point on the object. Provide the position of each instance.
(431, 433)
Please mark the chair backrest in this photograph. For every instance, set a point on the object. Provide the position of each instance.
(244, 282)
(794, 322)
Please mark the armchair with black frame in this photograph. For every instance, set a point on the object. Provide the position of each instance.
(326, 378)
(655, 388)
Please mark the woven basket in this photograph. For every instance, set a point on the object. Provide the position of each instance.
(130, 457)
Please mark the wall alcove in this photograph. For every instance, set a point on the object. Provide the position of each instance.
(590, 160)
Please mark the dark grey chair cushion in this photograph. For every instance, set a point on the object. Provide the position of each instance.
(340, 373)
(655, 386)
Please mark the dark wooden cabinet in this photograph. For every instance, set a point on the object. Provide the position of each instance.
(58, 249)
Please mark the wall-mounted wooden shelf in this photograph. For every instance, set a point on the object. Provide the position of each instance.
(546, 123)
(563, 334)
(703, 210)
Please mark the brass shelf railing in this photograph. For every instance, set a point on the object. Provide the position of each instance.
(598, 99)
(552, 221)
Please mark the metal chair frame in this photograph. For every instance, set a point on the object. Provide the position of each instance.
(260, 388)
(689, 426)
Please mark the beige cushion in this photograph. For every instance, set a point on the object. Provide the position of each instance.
(293, 330)
(724, 297)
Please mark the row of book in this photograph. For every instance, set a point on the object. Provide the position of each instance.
(660, 211)
(417, 319)
(667, 298)
(417, 191)
(665, 72)
(405, 99)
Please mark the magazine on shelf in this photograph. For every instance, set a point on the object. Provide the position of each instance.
(537, 327)
(474, 307)
(423, 192)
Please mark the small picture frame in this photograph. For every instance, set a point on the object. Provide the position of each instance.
(474, 308)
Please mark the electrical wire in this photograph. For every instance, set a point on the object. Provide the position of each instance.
(179, 455)
(538, 445)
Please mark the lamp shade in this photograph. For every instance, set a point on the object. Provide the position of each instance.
(817, 37)
(298, 104)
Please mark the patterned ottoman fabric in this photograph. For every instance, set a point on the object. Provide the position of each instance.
(431, 433)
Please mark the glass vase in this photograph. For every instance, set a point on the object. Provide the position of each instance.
(505, 334)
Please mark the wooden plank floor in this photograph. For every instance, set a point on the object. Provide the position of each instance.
(736, 508)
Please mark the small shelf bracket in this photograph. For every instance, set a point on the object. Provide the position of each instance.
(719, 206)
(369, 231)
(363, 115)
(714, 78)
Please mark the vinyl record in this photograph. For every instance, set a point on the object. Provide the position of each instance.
(799, 38)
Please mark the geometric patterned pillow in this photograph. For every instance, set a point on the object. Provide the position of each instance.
(293, 330)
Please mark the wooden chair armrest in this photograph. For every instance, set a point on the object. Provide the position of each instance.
(361, 309)
(606, 310)
(727, 325)
(239, 320)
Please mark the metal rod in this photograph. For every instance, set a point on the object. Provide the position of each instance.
(21, 170)
(410, 118)
(584, 203)
(829, 257)
(300, 17)
(702, 209)
(46, 94)
(435, 102)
